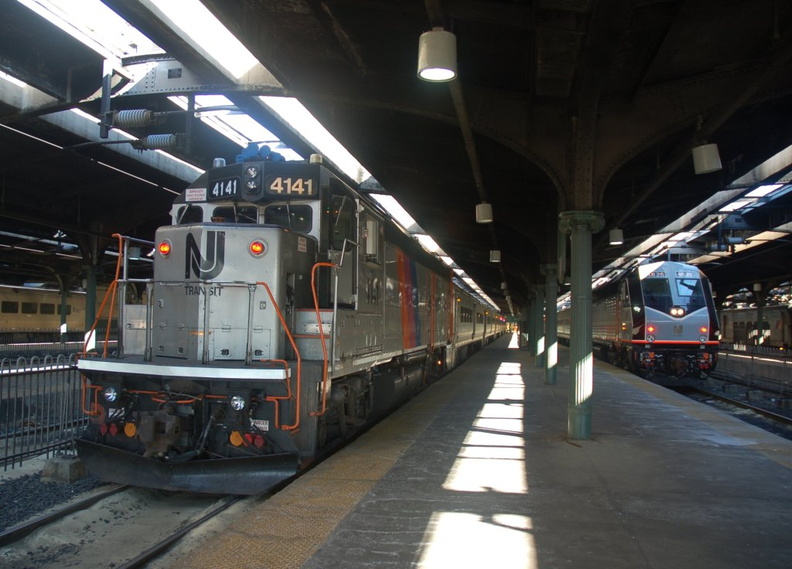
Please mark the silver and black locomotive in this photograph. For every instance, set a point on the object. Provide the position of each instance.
(659, 317)
(285, 312)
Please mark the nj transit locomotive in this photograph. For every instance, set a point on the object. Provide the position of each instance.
(285, 312)
(660, 317)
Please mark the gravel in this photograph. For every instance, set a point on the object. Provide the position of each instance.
(24, 495)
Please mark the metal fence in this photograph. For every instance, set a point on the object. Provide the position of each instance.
(40, 410)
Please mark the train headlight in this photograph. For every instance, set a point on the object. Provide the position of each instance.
(237, 402)
(110, 394)
(677, 311)
(257, 248)
(164, 248)
(252, 179)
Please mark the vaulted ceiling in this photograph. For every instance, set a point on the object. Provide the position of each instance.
(559, 105)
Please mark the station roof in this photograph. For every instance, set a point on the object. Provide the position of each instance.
(553, 97)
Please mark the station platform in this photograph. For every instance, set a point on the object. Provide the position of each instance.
(477, 471)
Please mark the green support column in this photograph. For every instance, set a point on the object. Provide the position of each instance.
(551, 323)
(580, 225)
(540, 338)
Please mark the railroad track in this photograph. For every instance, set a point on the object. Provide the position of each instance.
(20, 531)
(761, 414)
(770, 414)
(165, 544)
(140, 524)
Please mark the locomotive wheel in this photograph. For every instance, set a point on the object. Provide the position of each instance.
(321, 433)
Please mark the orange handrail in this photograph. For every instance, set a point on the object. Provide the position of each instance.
(94, 408)
(274, 398)
(110, 293)
(323, 410)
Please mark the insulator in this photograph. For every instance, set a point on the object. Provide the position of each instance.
(156, 141)
(133, 117)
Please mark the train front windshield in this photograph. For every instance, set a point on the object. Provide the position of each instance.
(687, 292)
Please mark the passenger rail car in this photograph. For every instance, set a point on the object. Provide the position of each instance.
(660, 317)
(738, 326)
(34, 314)
(285, 312)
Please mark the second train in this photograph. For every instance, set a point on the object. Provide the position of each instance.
(658, 318)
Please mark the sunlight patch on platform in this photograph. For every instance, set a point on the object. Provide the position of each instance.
(456, 539)
(492, 456)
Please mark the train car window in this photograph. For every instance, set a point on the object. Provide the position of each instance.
(370, 238)
(235, 214)
(9, 307)
(46, 308)
(657, 293)
(189, 214)
(294, 217)
(29, 308)
(342, 222)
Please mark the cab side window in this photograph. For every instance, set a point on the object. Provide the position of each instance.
(342, 222)
(190, 214)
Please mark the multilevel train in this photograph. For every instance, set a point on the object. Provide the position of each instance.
(659, 317)
(286, 311)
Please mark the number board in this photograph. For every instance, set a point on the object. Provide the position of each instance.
(291, 186)
(223, 189)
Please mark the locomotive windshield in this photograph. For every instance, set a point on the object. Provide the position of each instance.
(235, 214)
(687, 292)
(292, 216)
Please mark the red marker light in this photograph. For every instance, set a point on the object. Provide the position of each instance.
(651, 328)
(257, 248)
(164, 248)
(703, 329)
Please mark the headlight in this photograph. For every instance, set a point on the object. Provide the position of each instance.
(237, 403)
(110, 394)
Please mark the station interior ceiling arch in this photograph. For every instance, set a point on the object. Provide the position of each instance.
(559, 105)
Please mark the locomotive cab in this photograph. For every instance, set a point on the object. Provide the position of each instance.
(674, 326)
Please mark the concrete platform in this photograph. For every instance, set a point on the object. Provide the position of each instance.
(477, 472)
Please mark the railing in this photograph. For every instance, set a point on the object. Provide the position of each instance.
(39, 408)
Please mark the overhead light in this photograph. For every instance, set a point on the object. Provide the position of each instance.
(706, 158)
(437, 56)
(484, 213)
(494, 256)
(616, 236)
